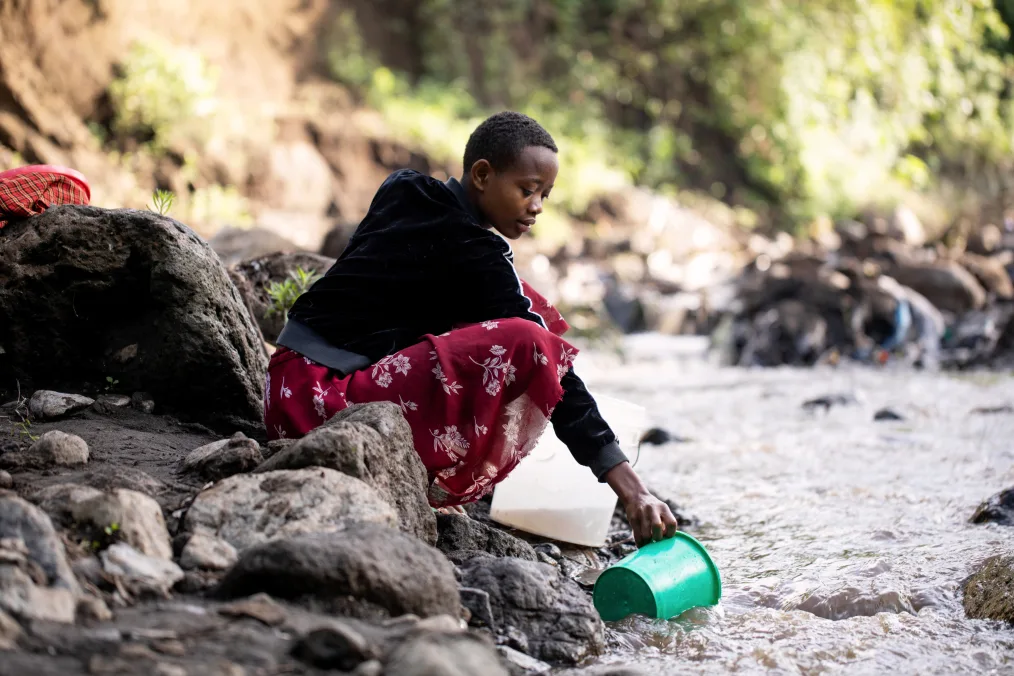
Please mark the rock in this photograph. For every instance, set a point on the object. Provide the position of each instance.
(550, 550)
(362, 570)
(224, 458)
(476, 601)
(113, 401)
(369, 668)
(128, 277)
(276, 446)
(254, 277)
(143, 402)
(238, 244)
(520, 664)
(446, 655)
(138, 516)
(553, 615)
(49, 405)
(887, 414)
(260, 607)
(59, 449)
(460, 534)
(989, 592)
(6, 480)
(999, 509)
(371, 442)
(335, 647)
(10, 632)
(23, 521)
(60, 500)
(991, 273)
(828, 401)
(147, 572)
(607, 670)
(91, 609)
(946, 284)
(131, 478)
(208, 553)
(246, 510)
(29, 599)
(657, 436)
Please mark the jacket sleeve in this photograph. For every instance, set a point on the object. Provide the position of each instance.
(490, 289)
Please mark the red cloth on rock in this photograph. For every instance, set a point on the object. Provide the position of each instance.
(28, 191)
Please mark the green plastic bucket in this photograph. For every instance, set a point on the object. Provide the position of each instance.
(662, 580)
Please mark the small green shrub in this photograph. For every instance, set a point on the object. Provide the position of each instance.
(162, 202)
(162, 90)
(284, 294)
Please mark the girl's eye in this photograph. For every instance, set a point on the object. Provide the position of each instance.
(527, 193)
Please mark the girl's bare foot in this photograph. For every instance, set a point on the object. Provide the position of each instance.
(457, 509)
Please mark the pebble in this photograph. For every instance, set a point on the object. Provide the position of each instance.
(143, 402)
(887, 414)
(6, 480)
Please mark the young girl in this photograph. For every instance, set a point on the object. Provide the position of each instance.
(425, 309)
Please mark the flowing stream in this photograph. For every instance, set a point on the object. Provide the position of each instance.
(842, 541)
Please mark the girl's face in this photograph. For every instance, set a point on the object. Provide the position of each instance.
(512, 199)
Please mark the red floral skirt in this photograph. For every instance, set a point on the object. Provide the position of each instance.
(477, 398)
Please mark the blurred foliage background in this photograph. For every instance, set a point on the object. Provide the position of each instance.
(788, 110)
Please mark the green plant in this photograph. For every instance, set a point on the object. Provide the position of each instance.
(20, 421)
(163, 89)
(103, 538)
(283, 294)
(162, 202)
(111, 383)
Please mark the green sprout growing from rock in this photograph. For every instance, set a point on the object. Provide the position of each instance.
(283, 294)
(162, 202)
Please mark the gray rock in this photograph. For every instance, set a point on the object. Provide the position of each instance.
(60, 449)
(6, 480)
(143, 402)
(462, 535)
(253, 277)
(49, 405)
(234, 245)
(989, 592)
(150, 573)
(113, 401)
(362, 571)
(27, 598)
(224, 458)
(999, 509)
(335, 647)
(60, 500)
(138, 516)
(208, 553)
(126, 278)
(476, 601)
(520, 664)
(10, 632)
(607, 670)
(372, 442)
(249, 509)
(554, 617)
(446, 655)
(946, 284)
(21, 520)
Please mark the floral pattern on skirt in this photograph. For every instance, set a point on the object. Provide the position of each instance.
(477, 398)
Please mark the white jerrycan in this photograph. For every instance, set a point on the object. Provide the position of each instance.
(549, 494)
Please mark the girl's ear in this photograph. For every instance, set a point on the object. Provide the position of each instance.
(480, 174)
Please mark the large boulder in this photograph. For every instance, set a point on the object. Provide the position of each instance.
(989, 592)
(247, 510)
(23, 521)
(254, 277)
(371, 442)
(540, 611)
(234, 245)
(361, 570)
(87, 293)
